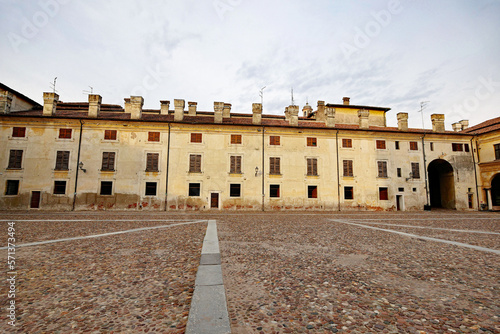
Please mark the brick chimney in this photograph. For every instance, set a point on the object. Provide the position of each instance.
(465, 124)
(256, 113)
(363, 115)
(437, 122)
(179, 110)
(320, 112)
(133, 106)
(165, 105)
(227, 110)
(330, 116)
(346, 100)
(192, 108)
(293, 115)
(457, 127)
(218, 112)
(5, 102)
(402, 121)
(50, 103)
(94, 105)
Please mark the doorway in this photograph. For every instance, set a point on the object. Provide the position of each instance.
(495, 192)
(441, 184)
(35, 200)
(214, 200)
(399, 202)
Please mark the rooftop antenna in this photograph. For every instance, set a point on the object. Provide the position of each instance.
(53, 85)
(423, 105)
(261, 93)
(293, 102)
(91, 91)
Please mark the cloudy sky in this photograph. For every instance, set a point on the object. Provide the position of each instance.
(386, 53)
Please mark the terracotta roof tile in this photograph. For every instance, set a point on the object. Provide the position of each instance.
(484, 127)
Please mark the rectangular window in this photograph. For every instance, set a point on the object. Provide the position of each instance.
(59, 187)
(196, 138)
(402, 190)
(194, 189)
(312, 191)
(235, 164)
(110, 134)
(312, 166)
(274, 140)
(413, 146)
(348, 193)
(415, 170)
(235, 190)
(347, 143)
(457, 147)
(108, 161)
(497, 151)
(154, 136)
(62, 160)
(382, 168)
(65, 133)
(152, 162)
(151, 188)
(274, 190)
(381, 144)
(106, 188)
(274, 166)
(235, 139)
(396, 143)
(195, 163)
(12, 187)
(466, 147)
(398, 171)
(432, 146)
(383, 194)
(15, 159)
(311, 141)
(18, 132)
(348, 168)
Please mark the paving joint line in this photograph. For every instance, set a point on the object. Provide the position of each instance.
(433, 228)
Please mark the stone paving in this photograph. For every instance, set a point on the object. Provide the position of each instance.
(283, 273)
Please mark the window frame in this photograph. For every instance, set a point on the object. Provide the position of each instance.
(152, 162)
(348, 168)
(236, 139)
(496, 149)
(274, 165)
(195, 161)
(275, 140)
(312, 191)
(348, 189)
(274, 191)
(15, 159)
(196, 137)
(62, 160)
(65, 133)
(109, 160)
(382, 169)
(383, 193)
(413, 145)
(312, 142)
(102, 188)
(59, 185)
(346, 143)
(154, 136)
(312, 166)
(192, 187)
(110, 134)
(235, 164)
(18, 132)
(8, 187)
(415, 166)
(380, 144)
(148, 186)
(234, 185)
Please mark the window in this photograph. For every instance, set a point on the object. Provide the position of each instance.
(151, 188)
(154, 136)
(348, 168)
(413, 146)
(62, 160)
(457, 147)
(194, 189)
(383, 194)
(311, 141)
(398, 171)
(312, 166)
(402, 190)
(312, 191)
(196, 138)
(382, 168)
(235, 164)
(274, 190)
(235, 190)
(347, 143)
(195, 163)
(274, 140)
(396, 143)
(110, 134)
(235, 139)
(415, 170)
(466, 147)
(381, 144)
(432, 146)
(106, 188)
(12, 187)
(348, 193)
(65, 133)
(108, 161)
(152, 162)
(59, 187)
(18, 132)
(15, 159)
(274, 166)
(497, 151)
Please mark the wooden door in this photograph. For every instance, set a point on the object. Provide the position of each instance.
(214, 200)
(35, 200)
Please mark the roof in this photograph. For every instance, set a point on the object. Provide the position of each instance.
(484, 127)
(15, 92)
(352, 106)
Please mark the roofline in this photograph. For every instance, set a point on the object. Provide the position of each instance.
(2, 86)
(352, 106)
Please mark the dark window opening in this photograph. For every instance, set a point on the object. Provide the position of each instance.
(18, 132)
(348, 193)
(455, 147)
(151, 188)
(194, 189)
(398, 171)
(59, 187)
(106, 188)
(397, 145)
(401, 189)
(12, 187)
(312, 191)
(497, 151)
(274, 190)
(234, 190)
(383, 194)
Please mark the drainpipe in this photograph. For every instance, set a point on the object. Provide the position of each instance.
(338, 171)
(263, 164)
(77, 163)
(425, 171)
(168, 165)
(475, 171)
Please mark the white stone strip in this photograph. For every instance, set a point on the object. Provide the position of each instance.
(208, 313)
(434, 228)
(483, 249)
(430, 218)
(93, 220)
(103, 235)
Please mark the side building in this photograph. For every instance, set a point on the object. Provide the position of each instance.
(94, 156)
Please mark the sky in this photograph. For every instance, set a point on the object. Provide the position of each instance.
(408, 55)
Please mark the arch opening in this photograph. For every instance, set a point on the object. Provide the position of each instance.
(441, 184)
(495, 192)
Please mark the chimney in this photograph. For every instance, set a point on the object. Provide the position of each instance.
(192, 108)
(227, 110)
(218, 112)
(465, 124)
(402, 121)
(457, 127)
(133, 106)
(307, 110)
(165, 105)
(437, 122)
(293, 115)
(287, 114)
(179, 110)
(94, 105)
(330, 116)
(363, 115)
(50, 103)
(320, 113)
(256, 113)
(5, 102)
(346, 100)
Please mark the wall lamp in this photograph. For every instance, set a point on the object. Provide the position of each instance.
(80, 166)
(410, 177)
(257, 172)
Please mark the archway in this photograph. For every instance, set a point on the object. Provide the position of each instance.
(441, 184)
(495, 192)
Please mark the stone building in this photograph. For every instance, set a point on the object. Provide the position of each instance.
(94, 156)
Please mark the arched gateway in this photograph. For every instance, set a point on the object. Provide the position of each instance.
(495, 192)
(441, 184)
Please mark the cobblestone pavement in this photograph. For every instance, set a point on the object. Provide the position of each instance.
(283, 273)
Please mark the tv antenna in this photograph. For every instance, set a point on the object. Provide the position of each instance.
(89, 92)
(423, 105)
(293, 102)
(261, 93)
(53, 85)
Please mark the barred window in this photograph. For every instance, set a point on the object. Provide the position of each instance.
(348, 171)
(110, 134)
(457, 147)
(59, 187)
(381, 144)
(235, 139)
(18, 132)
(154, 136)
(152, 162)
(235, 164)
(62, 160)
(274, 140)
(348, 193)
(151, 188)
(235, 190)
(194, 189)
(274, 166)
(65, 133)
(346, 142)
(15, 159)
(382, 168)
(415, 170)
(312, 141)
(312, 166)
(195, 163)
(196, 138)
(106, 188)
(108, 161)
